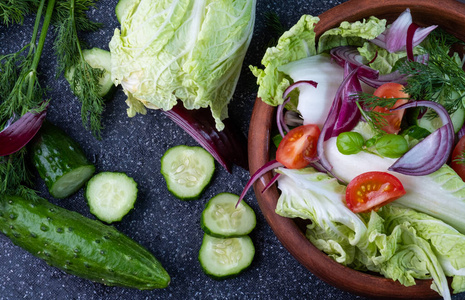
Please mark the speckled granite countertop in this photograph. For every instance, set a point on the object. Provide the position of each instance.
(168, 227)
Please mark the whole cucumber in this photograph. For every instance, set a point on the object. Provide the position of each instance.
(60, 161)
(78, 245)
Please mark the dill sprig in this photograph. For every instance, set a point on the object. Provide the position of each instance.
(368, 102)
(21, 92)
(442, 79)
(70, 20)
(16, 176)
(274, 27)
(14, 11)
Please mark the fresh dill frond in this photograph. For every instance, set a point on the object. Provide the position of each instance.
(14, 11)
(14, 175)
(442, 79)
(274, 27)
(20, 92)
(368, 102)
(71, 19)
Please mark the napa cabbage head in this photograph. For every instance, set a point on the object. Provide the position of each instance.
(185, 50)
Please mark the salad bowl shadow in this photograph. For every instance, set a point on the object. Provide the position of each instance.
(449, 15)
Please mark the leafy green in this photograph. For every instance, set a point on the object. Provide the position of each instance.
(187, 50)
(21, 92)
(351, 33)
(70, 18)
(14, 11)
(20, 89)
(442, 79)
(296, 43)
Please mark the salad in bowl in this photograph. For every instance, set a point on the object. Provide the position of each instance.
(366, 177)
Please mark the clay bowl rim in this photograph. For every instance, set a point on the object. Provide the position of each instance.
(446, 13)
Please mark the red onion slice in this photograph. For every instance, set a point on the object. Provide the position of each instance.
(17, 134)
(431, 153)
(269, 166)
(282, 126)
(343, 115)
(227, 146)
(394, 39)
(409, 42)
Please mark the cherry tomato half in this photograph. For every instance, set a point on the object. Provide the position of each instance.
(371, 190)
(298, 147)
(458, 159)
(393, 119)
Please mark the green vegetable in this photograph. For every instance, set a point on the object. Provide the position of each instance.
(14, 11)
(20, 92)
(223, 258)
(415, 132)
(442, 79)
(395, 241)
(186, 50)
(391, 145)
(60, 161)
(221, 218)
(351, 33)
(187, 171)
(98, 59)
(72, 18)
(78, 245)
(350, 142)
(296, 43)
(111, 195)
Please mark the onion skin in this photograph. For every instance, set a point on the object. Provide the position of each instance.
(14, 137)
(228, 146)
(432, 153)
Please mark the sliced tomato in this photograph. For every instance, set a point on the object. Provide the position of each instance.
(458, 159)
(393, 119)
(371, 190)
(298, 147)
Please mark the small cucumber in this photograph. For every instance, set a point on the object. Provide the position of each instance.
(225, 258)
(431, 124)
(78, 245)
(60, 161)
(221, 218)
(187, 171)
(98, 59)
(111, 195)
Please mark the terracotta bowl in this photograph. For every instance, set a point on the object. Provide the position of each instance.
(448, 14)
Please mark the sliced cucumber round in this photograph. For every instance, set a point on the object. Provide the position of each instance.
(111, 195)
(98, 59)
(187, 171)
(225, 258)
(221, 218)
(431, 124)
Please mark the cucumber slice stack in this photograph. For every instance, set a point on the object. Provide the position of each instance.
(226, 249)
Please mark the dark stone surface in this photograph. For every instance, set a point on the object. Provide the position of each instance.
(168, 227)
